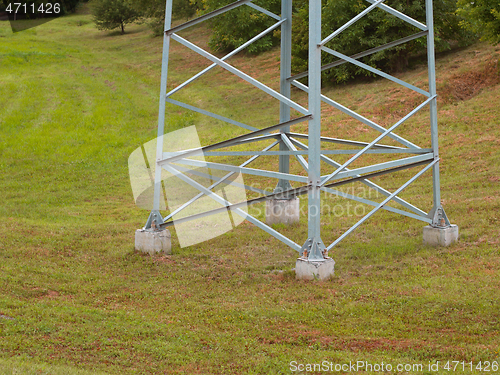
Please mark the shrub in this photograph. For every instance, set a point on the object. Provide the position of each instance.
(375, 29)
(482, 17)
(111, 14)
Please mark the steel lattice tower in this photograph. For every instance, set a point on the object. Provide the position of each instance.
(313, 248)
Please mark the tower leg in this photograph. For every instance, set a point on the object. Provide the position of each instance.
(151, 239)
(440, 232)
(314, 263)
(284, 211)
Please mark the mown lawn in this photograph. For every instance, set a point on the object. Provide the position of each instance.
(76, 298)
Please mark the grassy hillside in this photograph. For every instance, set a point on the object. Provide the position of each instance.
(76, 298)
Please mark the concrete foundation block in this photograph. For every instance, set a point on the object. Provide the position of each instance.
(153, 242)
(286, 211)
(440, 236)
(309, 270)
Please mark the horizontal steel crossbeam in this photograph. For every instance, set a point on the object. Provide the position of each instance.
(323, 152)
(232, 141)
(344, 141)
(290, 193)
(368, 183)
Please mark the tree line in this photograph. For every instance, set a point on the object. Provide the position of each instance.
(456, 23)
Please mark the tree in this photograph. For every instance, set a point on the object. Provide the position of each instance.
(482, 17)
(111, 14)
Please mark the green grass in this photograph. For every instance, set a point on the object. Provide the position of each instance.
(76, 298)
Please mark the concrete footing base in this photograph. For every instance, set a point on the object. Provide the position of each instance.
(309, 270)
(440, 236)
(284, 211)
(153, 242)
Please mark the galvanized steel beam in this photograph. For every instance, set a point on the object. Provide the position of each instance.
(234, 168)
(263, 10)
(162, 105)
(323, 152)
(240, 74)
(431, 66)
(347, 142)
(376, 71)
(210, 114)
(350, 22)
(285, 88)
(356, 116)
(404, 186)
(401, 16)
(363, 54)
(231, 141)
(206, 17)
(232, 53)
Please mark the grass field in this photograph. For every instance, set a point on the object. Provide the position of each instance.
(75, 298)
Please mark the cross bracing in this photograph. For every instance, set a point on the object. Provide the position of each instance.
(320, 170)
